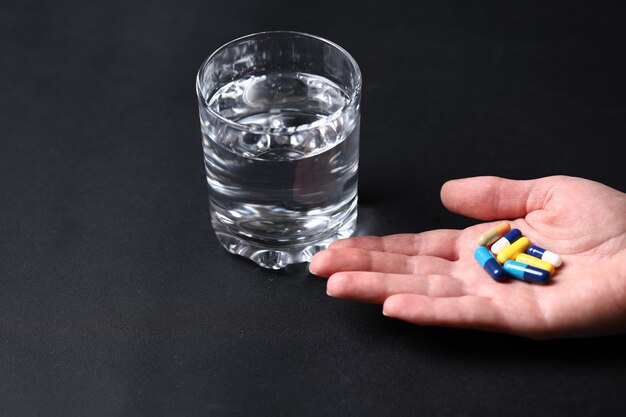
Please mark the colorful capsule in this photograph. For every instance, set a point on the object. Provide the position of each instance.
(544, 255)
(505, 240)
(494, 234)
(489, 263)
(510, 251)
(526, 272)
(536, 262)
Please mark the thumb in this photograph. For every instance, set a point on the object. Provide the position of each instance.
(489, 198)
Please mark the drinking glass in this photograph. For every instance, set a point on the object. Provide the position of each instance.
(279, 114)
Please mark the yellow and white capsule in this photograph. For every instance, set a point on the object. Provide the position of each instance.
(510, 251)
(494, 234)
(536, 262)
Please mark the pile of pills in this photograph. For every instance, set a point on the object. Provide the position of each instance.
(503, 252)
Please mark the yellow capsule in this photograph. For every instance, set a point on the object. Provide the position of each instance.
(494, 234)
(509, 252)
(536, 262)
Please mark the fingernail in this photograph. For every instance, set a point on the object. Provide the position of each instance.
(312, 271)
(328, 293)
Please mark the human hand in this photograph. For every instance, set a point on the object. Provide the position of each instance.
(432, 278)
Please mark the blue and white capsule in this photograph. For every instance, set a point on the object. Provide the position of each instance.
(487, 261)
(544, 255)
(525, 272)
(505, 241)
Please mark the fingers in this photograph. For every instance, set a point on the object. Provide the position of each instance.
(375, 287)
(440, 243)
(467, 311)
(489, 198)
(330, 261)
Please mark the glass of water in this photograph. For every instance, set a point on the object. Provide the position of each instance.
(279, 113)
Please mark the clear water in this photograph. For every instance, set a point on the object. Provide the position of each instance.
(287, 187)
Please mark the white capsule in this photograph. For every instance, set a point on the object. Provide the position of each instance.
(552, 258)
(499, 245)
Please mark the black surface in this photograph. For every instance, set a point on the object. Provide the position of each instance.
(115, 297)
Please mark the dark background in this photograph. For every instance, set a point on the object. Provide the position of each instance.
(115, 297)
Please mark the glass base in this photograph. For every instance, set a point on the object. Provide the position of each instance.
(279, 257)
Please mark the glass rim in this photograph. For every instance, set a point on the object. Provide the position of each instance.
(293, 129)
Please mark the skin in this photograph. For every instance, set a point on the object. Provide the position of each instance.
(432, 278)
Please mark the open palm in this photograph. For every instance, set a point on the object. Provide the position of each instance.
(431, 278)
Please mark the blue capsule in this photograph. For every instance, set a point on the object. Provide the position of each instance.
(526, 272)
(505, 241)
(488, 263)
(544, 255)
